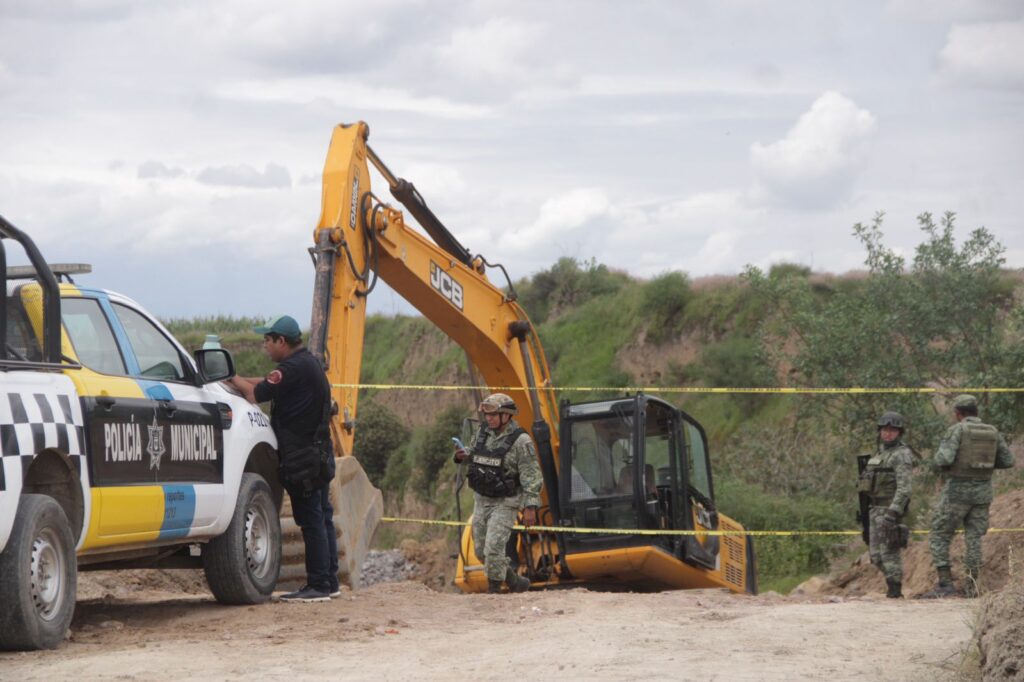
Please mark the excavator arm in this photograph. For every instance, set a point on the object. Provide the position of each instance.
(360, 238)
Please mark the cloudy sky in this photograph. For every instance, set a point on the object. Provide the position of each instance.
(178, 145)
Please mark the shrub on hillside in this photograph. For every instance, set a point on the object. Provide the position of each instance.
(568, 283)
(784, 561)
(434, 449)
(789, 270)
(663, 305)
(379, 435)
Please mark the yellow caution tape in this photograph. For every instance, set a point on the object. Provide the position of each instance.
(637, 531)
(686, 389)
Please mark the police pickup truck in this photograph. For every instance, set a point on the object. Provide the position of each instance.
(119, 451)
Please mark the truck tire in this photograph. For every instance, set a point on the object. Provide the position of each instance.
(243, 564)
(38, 577)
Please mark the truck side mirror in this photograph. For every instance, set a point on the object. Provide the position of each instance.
(215, 364)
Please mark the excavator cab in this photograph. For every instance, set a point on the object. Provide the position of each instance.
(635, 463)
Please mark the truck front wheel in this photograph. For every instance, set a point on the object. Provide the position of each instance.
(38, 577)
(243, 564)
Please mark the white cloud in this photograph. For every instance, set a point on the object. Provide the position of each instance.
(348, 95)
(987, 55)
(435, 181)
(67, 10)
(718, 254)
(699, 234)
(946, 11)
(156, 169)
(495, 49)
(815, 164)
(559, 216)
(245, 176)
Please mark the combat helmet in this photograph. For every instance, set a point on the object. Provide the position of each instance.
(893, 419)
(965, 401)
(498, 403)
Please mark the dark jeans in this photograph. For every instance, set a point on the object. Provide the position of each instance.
(314, 515)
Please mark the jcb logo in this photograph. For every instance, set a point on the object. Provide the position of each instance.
(354, 203)
(448, 287)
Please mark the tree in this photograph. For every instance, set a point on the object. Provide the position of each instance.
(940, 321)
(435, 448)
(379, 434)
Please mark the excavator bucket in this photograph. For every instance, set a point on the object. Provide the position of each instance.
(358, 507)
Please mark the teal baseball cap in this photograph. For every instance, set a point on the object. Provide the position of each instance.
(285, 325)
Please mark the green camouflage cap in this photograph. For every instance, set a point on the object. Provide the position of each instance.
(965, 401)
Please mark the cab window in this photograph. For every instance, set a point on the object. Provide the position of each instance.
(90, 334)
(602, 459)
(21, 340)
(697, 462)
(158, 358)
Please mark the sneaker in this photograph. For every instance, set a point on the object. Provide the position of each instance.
(306, 594)
(335, 593)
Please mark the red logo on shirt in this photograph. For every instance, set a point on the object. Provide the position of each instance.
(275, 377)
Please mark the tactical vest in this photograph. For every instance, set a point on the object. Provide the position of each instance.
(976, 456)
(487, 468)
(879, 480)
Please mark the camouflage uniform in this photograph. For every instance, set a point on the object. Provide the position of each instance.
(890, 471)
(965, 498)
(493, 517)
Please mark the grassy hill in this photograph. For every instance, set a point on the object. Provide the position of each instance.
(781, 462)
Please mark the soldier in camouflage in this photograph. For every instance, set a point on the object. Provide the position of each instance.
(886, 480)
(967, 455)
(505, 477)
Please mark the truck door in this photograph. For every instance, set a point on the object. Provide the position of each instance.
(143, 471)
(193, 438)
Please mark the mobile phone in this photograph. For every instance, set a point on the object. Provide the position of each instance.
(458, 443)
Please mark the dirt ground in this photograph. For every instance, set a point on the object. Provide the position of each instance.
(405, 630)
(142, 625)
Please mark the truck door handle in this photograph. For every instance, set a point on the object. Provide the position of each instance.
(169, 407)
(106, 402)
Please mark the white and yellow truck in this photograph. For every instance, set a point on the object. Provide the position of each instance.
(119, 450)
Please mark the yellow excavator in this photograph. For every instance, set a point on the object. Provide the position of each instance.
(623, 468)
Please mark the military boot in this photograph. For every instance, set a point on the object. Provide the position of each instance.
(971, 589)
(516, 582)
(493, 586)
(945, 588)
(895, 589)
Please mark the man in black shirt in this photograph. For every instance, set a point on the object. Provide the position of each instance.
(299, 391)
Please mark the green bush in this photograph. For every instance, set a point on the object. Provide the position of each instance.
(783, 562)
(663, 305)
(434, 449)
(789, 270)
(379, 435)
(568, 284)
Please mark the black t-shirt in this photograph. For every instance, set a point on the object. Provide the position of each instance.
(298, 389)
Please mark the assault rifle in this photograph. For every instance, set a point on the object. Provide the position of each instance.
(863, 517)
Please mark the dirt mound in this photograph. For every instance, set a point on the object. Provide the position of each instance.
(434, 565)
(861, 577)
(999, 633)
